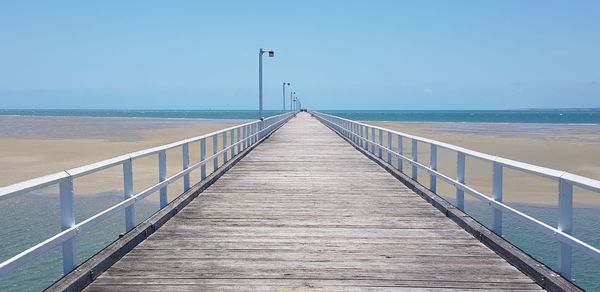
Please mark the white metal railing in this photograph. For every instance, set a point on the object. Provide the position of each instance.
(363, 135)
(241, 137)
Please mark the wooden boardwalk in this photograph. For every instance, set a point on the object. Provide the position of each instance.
(306, 211)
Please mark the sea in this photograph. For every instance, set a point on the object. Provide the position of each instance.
(546, 116)
(33, 217)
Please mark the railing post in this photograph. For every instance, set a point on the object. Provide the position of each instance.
(244, 137)
(389, 146)
(232, 136)
(460, 177)
(128, 193)
(215, 151)
(400, 151)
(186, 164)
(362, 136)
(433, 166)
(247, 136)
(202, 158)
(373, 140)
(162, 176)
(350, 127)
(366, 141)
(380, 144)
(239, 139)
(497, 193)
(349, 130)
(415, 158)
(250, 137)
(565, 224)
(67, 216)
(225, 147)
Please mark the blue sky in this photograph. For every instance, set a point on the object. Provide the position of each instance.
(336, 54)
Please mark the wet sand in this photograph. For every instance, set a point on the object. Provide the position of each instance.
(572, 148)
(35, 146)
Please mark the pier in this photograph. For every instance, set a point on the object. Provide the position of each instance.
(306, 211)
(306, 201)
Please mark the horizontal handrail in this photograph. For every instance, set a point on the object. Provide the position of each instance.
(246, 134)
(55, 178)
(580, 181)
(358, 134)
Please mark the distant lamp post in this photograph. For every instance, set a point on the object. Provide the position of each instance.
(291, 100)
(260, 91)
(284, 84)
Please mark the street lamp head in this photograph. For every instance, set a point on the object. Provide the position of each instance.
(271, 54)
(288, 84)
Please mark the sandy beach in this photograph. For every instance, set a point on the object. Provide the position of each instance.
(36, 146)
(572, 148)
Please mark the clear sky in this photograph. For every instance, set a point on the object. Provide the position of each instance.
(337, 54)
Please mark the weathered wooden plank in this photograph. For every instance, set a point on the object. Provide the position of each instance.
(306, 211)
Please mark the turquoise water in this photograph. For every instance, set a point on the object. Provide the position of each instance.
(557, 116)
(172, 114)
(32, 218)
(586, 222)
(29, 219)
(554, 116)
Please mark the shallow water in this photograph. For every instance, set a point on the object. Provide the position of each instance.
(554, 116)
(32, 218)
(29, 219)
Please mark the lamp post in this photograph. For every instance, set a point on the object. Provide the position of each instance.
(260, 95)
(284, 84)
(291, 101)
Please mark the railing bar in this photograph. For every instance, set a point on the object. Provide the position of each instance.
(185, 149)
(202, 158)
(65, 180)
(224, 147)
(215, 151)
(565, 224)
(497, 190)
(415, 157)
(380, 144)
(162, 176)
(67, 214)
(548, 230)
(128, 193)
(433, 165)
(460, 177)
(400, 151)
(529, 168)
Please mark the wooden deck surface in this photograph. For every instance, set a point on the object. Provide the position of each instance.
(306, 211)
